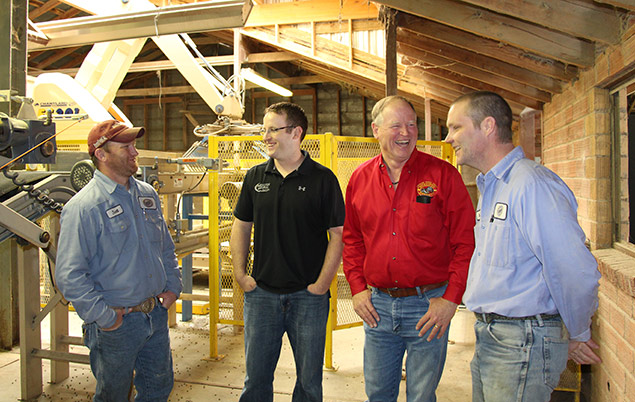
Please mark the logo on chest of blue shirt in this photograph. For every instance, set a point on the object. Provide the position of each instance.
(147, 203)
(262, 187)
(500, 211)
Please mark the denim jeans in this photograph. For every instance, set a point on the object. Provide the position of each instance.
(141, 344)
(302, 315)
(518, 360)
(395, 334)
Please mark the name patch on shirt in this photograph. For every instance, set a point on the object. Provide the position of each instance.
(500, 211)
(262, 187)
(114, 211)
(147, 203)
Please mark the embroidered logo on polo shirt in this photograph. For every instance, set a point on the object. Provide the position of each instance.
(262, 187)
(114, 211)
(147, 203)
(300, 188)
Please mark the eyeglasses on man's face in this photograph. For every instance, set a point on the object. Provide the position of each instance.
(264, 131)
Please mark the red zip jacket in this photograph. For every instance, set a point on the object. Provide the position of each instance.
(422, 233)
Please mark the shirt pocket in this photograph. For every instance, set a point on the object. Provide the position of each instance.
(425, 223)
(497, 244)
(118, 231)
(154, 225)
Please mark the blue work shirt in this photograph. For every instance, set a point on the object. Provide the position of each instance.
(114, 249)
(530, 256)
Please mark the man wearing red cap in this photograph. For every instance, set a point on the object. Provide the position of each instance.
(116, 265)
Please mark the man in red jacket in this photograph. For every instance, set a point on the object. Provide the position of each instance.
(408, 240)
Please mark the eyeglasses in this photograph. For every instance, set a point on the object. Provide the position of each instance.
(263, 131)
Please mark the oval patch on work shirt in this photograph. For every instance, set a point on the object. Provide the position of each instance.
(147, 203)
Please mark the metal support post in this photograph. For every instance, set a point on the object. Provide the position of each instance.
(58, 319)
(30, 337)
(186, 262)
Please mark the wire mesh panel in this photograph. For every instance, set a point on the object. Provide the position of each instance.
(239, 153)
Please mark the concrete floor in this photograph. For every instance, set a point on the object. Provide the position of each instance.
(198, 378)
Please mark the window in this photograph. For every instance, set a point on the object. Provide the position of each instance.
(623, 154)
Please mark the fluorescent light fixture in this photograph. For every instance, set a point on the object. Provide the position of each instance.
(252, 76)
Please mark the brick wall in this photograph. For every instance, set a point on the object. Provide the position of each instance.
(614, 328)
(576, 144)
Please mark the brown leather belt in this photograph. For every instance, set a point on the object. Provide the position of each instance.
(404, 292)
(145, 306)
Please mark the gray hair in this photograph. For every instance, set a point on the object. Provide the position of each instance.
(383, 103)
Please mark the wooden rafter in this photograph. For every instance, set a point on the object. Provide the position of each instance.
(481, 62)
(300, 12)
(524, 35)
(488, 47)
(575, 17)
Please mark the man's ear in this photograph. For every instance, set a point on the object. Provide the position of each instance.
(100, 154)
(374, 127)
(297, 132)
(488, 125)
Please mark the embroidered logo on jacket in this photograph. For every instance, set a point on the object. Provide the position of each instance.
(262, 187)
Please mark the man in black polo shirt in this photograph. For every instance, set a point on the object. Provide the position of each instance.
(292, 202)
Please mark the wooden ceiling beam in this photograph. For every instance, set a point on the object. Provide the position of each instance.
(469, 71)
(300, 12)
(471, 84)
(524, 35)
(70, 13)
(332, 27)
(43, 9)
(577, 18)
(377, 88)
(54, 56)
(481, 62)
(331, 53)
(488, 47)
(625, 4)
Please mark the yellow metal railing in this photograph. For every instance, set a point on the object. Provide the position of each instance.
(342, 155)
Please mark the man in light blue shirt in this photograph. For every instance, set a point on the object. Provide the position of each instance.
(532, 282)
(116, 265)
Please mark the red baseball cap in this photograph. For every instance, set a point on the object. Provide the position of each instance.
(111, 130)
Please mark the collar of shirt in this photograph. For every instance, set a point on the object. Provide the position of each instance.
(304, 167)
(411, 160)
(109, 185)
(501, 168)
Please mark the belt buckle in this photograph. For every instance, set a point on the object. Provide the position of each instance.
(147, 306)
(391, 290)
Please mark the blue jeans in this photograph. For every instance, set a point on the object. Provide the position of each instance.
(141, 344)
(518, 360)
(395, 334)
(302, 315)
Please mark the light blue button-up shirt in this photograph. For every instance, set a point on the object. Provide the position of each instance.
(114, 249)
(530, 256)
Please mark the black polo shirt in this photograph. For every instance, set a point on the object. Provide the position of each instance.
(291, 216)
